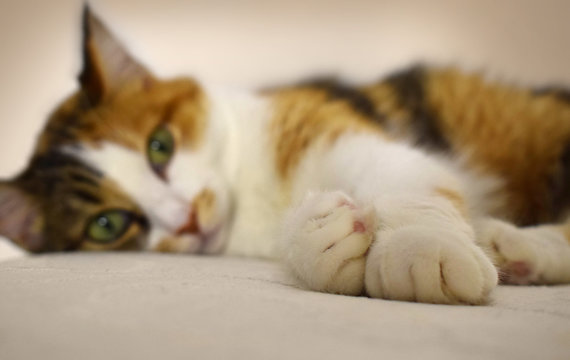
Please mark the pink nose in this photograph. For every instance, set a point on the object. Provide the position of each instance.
(191, 227)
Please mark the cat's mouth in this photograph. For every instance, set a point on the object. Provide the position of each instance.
(203, 229)
(203, 242)
(194, 237)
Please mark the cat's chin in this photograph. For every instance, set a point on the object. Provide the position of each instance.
(209, 243)
(214, 241)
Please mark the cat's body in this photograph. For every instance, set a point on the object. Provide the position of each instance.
(400, 189)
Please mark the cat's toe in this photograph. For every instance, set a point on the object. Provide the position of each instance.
(427, 265)
(524, 256)
(329, 237)
(517, 273)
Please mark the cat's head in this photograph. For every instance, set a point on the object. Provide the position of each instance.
(127, 162)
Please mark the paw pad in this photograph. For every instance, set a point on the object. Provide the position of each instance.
(516, 272)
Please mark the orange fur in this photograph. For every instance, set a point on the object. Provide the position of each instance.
(504, 131)
(304, 117)
(386, 102)
(132, 114)
(205, 206)
(508, 132)
(455, 198)
(565, 229)
(172, 245)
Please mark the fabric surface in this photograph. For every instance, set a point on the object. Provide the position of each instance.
(151, 306)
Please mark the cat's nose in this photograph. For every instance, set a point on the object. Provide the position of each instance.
(192, 226)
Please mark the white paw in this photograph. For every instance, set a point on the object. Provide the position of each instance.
(10, 251)
(426, 264)
(326, 241)
(538, 255)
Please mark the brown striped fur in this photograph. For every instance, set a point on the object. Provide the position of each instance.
(503, 130)
(52, 200)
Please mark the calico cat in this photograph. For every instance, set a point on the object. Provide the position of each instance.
(422, 186)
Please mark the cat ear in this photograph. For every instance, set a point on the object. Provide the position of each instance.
(21, 219)
(107, 65)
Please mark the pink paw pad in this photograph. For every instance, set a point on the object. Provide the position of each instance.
(516, 272)
(359, 227)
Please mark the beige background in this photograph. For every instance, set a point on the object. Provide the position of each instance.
(254, 42)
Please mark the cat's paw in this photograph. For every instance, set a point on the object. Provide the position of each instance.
(10, 251)
(539, 255)
(430, 265)
(326, 240)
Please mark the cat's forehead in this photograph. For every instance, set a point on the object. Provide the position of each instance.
(127, 117)
(67, 183)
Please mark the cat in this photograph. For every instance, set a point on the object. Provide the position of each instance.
(424, 186)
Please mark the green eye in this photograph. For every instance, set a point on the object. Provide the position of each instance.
(160, 148)
(108, 226)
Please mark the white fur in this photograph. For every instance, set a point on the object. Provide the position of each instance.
(320, 243)
(484, 193)
(167, 208)
(10, 251)
(259, 198)
(541, 253)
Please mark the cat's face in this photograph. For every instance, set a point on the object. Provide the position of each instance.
(129, 162)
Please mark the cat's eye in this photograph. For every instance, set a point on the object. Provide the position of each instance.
(108, 226)
(160, 149)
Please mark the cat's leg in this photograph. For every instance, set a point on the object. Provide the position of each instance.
(412, 242)
(422, 249)
(528, 255)
(425, 251)
(325, 240)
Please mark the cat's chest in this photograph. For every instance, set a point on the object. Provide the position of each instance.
(259, 194)
(260, 200)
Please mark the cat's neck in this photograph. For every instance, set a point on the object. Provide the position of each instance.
(248, 164)
(238, 122)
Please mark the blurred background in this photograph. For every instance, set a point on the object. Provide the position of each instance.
(250, 43)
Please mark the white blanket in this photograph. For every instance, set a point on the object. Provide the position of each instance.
(149, 306)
